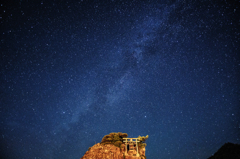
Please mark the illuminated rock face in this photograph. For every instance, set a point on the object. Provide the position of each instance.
(99, 151)
(108, 151)
(124, 150)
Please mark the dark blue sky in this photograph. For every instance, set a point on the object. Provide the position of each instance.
(74, 71)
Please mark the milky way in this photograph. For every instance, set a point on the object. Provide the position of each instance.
(74, 71)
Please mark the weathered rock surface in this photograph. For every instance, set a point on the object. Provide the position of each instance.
(108, 151)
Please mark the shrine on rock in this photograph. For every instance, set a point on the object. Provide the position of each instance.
(131, 146)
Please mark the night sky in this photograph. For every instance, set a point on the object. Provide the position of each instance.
(74, 71)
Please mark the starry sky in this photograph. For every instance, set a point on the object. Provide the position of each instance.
(73, 71)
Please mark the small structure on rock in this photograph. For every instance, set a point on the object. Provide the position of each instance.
(131, 148)
(118, 146)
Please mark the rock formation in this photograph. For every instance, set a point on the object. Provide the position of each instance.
(118, 146)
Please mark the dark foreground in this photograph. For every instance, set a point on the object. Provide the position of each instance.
(227, 151)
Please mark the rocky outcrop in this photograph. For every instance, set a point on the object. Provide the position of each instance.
(114, 146)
